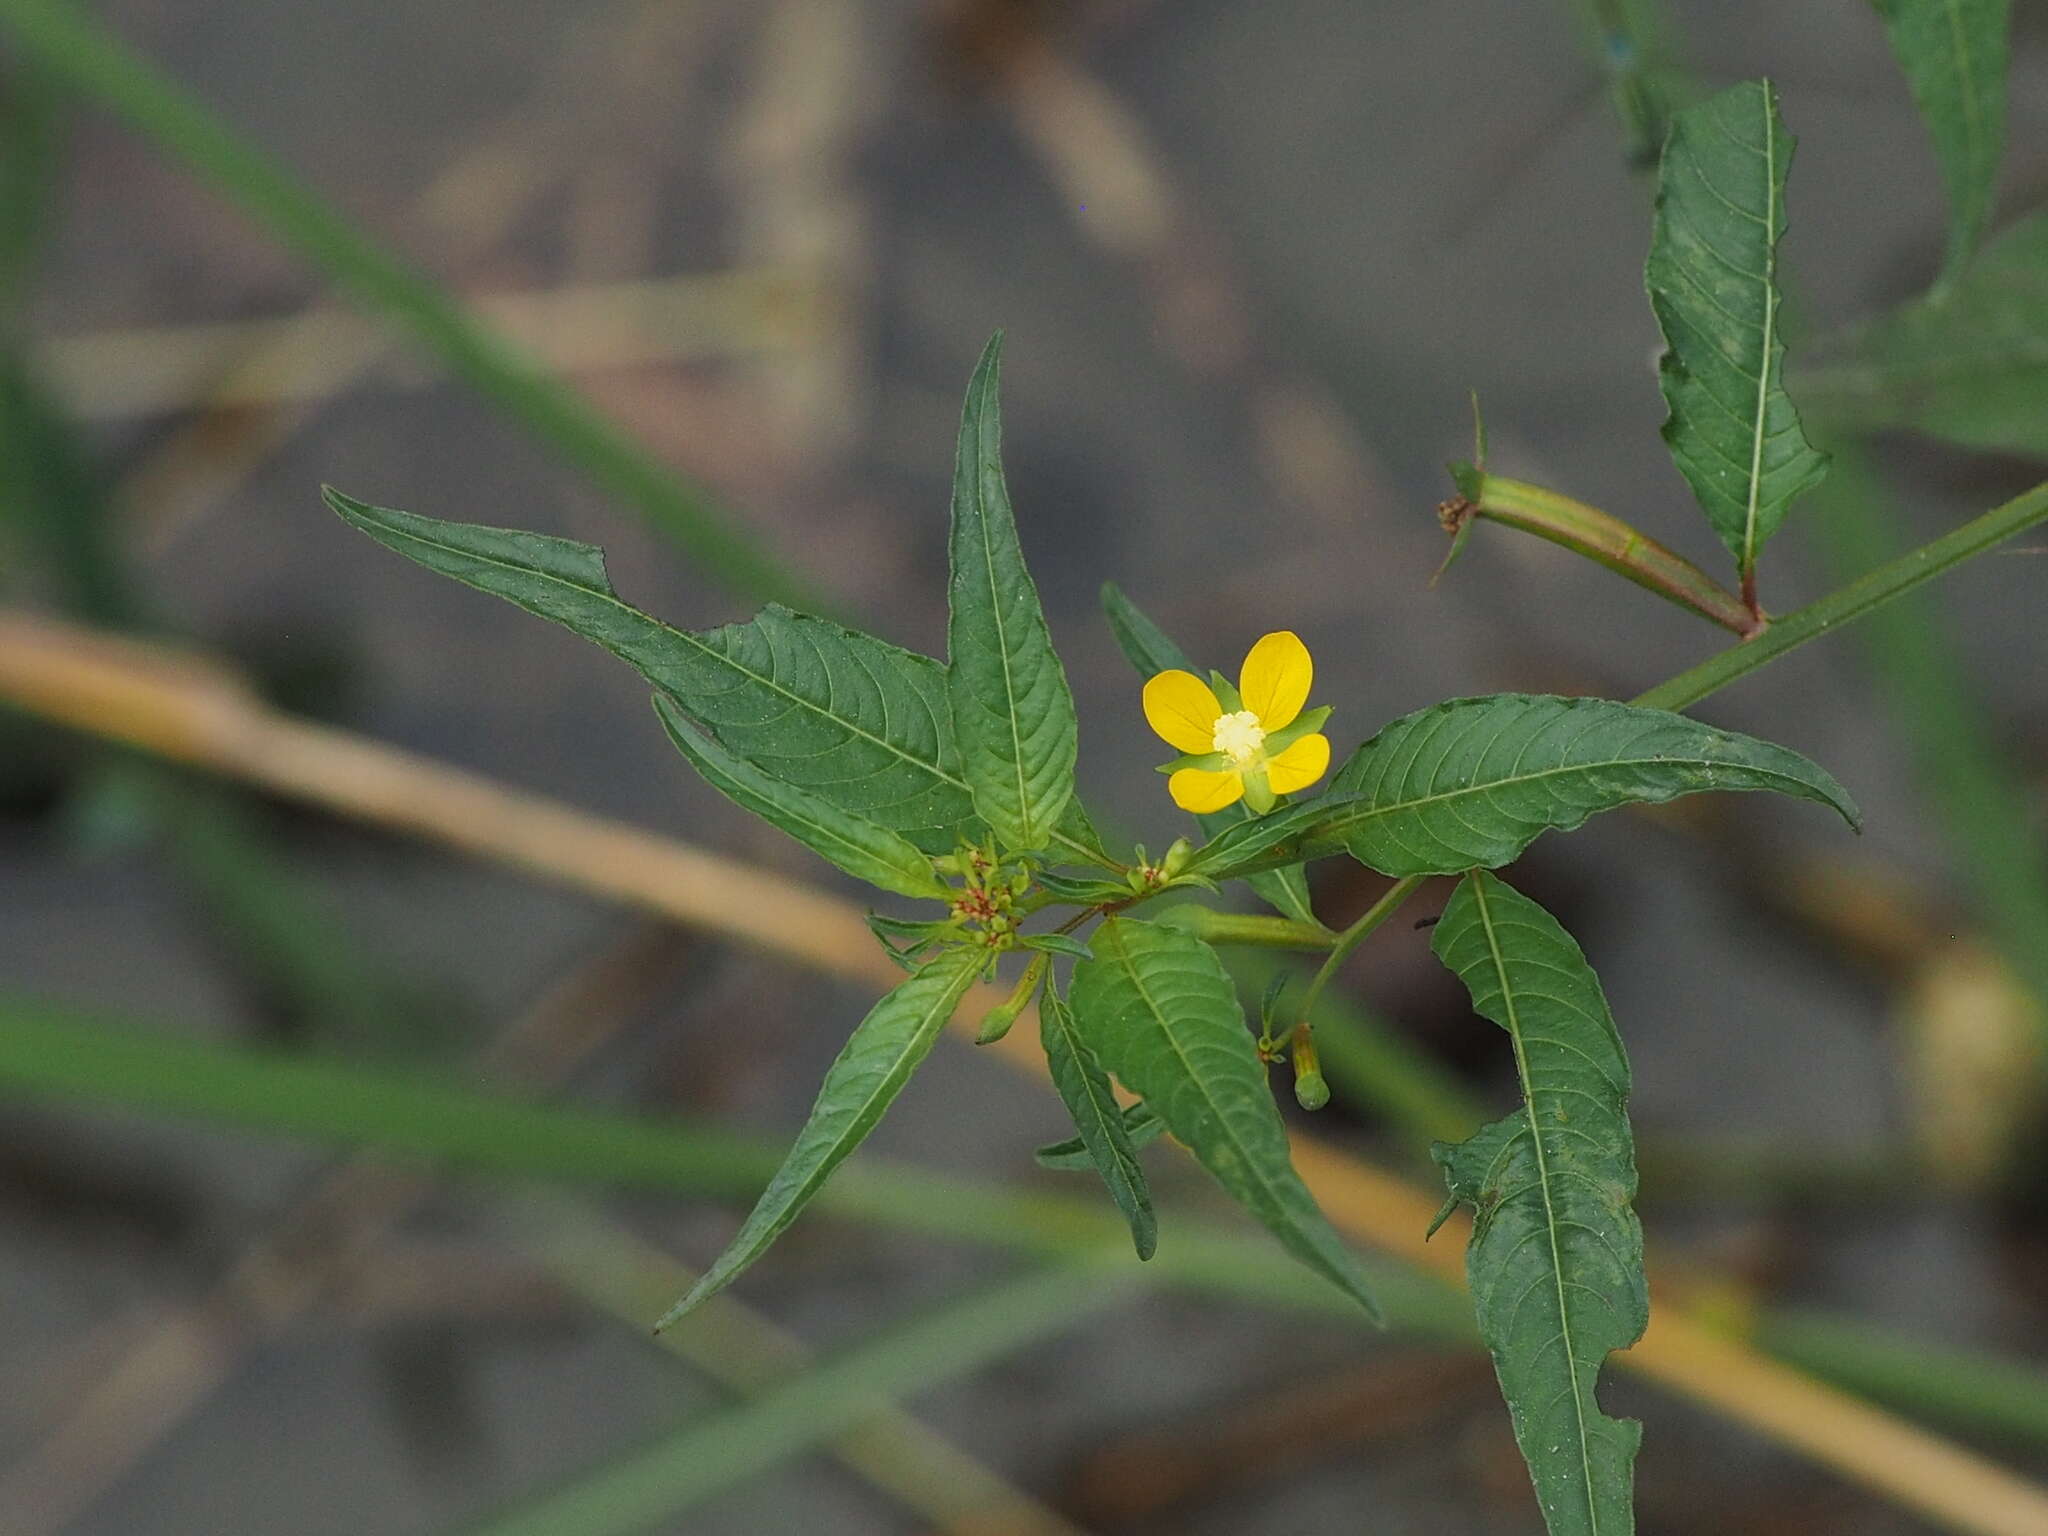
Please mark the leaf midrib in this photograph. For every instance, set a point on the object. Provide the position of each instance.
(1346, 820)
(1763, 364)
(1025, 819)
(722, 657)
(1245, 1158)
(1513, 1024)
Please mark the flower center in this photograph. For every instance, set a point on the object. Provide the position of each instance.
(1239, 736)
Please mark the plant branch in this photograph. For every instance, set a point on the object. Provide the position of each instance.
(1893, 579)
(1349, 940)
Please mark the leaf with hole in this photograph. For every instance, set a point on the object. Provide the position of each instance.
(1009, 692)
(1555, 1260)
(1713, 281)
(886, 1047)
(1164, 1019)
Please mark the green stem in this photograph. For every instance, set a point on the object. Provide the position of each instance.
(1352, 937)
(96, 63)
(1602, 538)
(1253, 929)
(1893, 579)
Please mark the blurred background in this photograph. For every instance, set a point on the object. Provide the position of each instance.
(1251, 260)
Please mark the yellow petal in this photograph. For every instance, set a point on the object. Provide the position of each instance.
(1183, 709)
(1201, 791)
(1275, 678)
(1300, 765)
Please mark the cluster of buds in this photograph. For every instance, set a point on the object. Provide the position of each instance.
(986, 901)
(1145, 877)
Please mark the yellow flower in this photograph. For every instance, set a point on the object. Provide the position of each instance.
(1250, 742)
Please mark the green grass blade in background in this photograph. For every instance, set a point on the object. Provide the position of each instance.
(1713, 281)
(1556, 1255)
(1162, 1015)
(1104, 1135)
(1012, 707)
(885, 1049)
(1152, 651)
(1954, 53)
(1472, 782)
(650, 1488)
(1970, 367)
(860, 847)
(842, 714)
(1983, 804)
(63, 39)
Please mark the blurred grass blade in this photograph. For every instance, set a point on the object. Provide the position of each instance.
(1556, 1254)
(653, 1488)
(1105, 1133)
(1012, 707)
(1970, 367)
(1713, 281)
(1152, 651)
(877, 1061)
(74, 48)
(53, 1053)
(1954, 53)
(1161, 1014)
(1990, 825)
(860, 847)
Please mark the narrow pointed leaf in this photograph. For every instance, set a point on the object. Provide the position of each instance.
(1713, 281)
(862, 848)
(1084, 1088)
(1011, 703)
(855, 720)
(1141, 1128)
(1470, 783)
(1970, 367)
(886, 1047)
(1556, 1257)
(1152, 651)
(1161, 1014)
(1953, 53)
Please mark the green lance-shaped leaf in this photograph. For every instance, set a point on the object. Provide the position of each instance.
(1470, 783)
(1970, 367)
(861, 1084)
(1152, 651)
(1141, 1128)
(1011, 703)
(1084, 1088)
(1713, 280)
(1161, 1014)
(862, 848)
(1556, 1257)
(1954, 53)
(856, 721)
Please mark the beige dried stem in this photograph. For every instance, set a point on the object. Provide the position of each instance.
(183, 708)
